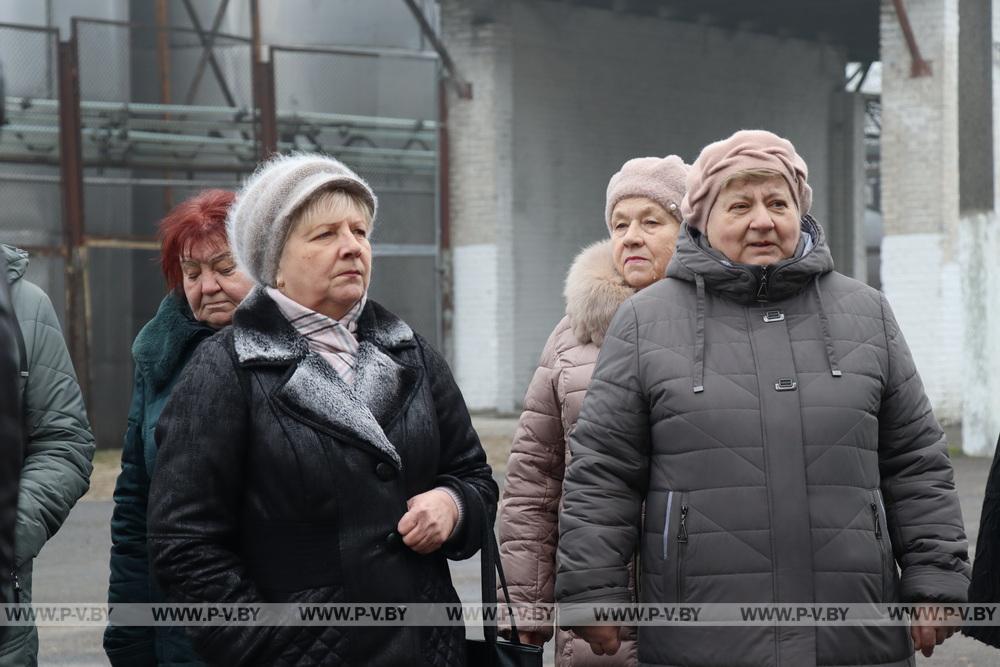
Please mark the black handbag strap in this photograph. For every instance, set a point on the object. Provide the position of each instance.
(490, 566)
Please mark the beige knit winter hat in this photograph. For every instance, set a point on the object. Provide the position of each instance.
(746, 149)
(261, 217)
(659, 179)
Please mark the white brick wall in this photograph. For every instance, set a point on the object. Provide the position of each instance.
(475, 297)
(996, 102)
(979, 245)
(921, 265)
(920, 122)
(924, 290)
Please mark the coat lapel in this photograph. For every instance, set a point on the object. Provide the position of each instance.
(314, 393)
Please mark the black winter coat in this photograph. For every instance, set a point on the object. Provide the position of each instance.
(985, 586)
(276, 482)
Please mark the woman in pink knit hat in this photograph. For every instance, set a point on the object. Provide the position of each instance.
(766, 413)
(642, 215)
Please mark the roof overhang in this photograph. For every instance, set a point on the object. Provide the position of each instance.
(851, 24)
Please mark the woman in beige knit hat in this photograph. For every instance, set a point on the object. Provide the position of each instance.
(765, 414)
(642, 215)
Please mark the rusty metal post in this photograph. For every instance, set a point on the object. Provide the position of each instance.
(163, 50)
(255, 30)
(444, 234)
(918, 66)
(163, 66)
(462, 87)
(267, 117)
(71, 174)
(255, 82)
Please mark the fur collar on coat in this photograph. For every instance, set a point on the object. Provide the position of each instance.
(315, 393)
(594, 291)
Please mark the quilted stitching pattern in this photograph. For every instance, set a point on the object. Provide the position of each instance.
(643, 434)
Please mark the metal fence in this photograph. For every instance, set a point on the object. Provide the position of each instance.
(108, 130)
(379, 111)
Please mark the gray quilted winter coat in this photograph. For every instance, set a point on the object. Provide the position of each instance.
(775, 425)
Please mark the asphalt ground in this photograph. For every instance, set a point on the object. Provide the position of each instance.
(73, 566)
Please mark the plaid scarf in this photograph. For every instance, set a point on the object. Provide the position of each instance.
(334, 340)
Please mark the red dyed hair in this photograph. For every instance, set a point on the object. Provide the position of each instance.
(200, 218)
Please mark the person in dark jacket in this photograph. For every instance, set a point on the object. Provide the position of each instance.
(12, 427)
(205, 287)
(58, 445)
(985, 586)
(318, 450)
(768, 412)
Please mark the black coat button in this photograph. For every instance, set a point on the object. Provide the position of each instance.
(385, 472)
(394, 541)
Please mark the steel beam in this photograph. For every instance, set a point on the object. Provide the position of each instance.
(207, 41)
(462, 87)
(267, 106)
(918, 66)
(71, 172)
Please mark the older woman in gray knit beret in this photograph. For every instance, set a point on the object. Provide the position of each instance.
(318, 450)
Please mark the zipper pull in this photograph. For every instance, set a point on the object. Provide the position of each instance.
(682, 532)
(762, 289)
(878, 522)
(17, 586)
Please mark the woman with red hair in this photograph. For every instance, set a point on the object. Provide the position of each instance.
(205, 287)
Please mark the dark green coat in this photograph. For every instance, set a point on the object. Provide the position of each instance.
(159, 353)
(59, 447)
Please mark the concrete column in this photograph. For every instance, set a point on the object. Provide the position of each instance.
(846, 227)
(921, 274)
(480, 136)
(979, 239)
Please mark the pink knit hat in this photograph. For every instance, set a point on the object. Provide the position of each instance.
(747, 149)
(659, 179)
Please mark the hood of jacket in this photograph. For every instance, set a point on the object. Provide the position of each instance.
(594, 291)
(167, 340)
(17, 261)
(747, 284)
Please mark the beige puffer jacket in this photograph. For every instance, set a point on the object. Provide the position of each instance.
(529, 515)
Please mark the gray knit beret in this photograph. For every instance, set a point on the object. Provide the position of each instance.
(260, 218)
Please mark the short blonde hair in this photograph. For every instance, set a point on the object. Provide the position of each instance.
(336, 199)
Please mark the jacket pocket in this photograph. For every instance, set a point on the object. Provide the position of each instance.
(284, 557)
(880, 528)
(675, 539)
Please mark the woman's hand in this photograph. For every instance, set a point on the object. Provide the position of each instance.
(603, 639)
(429, 521)
(928, 635)
(535, 638)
